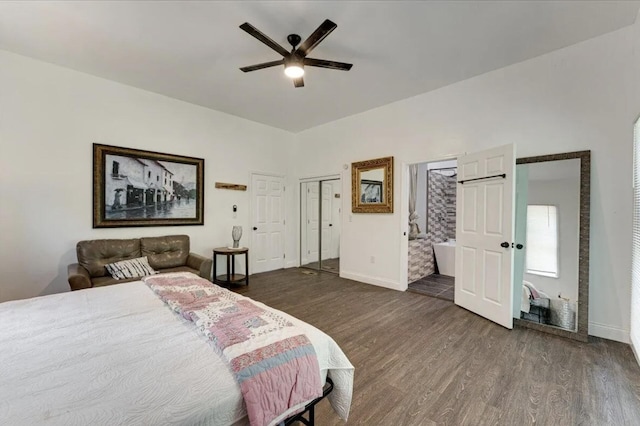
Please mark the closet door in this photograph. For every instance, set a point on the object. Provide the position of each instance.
(326, 220)
(310, 243)
(320, 224)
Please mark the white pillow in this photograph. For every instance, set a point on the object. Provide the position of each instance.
(130, 268)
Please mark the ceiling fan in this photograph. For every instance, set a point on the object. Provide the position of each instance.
(295, 61)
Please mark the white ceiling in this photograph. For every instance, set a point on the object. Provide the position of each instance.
(192, 50)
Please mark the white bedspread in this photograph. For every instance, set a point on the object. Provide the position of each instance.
(118, 355)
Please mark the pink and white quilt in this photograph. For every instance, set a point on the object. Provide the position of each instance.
(272, 359)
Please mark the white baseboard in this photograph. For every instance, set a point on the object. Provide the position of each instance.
(608, 332)
(291, 264)
(367, 279)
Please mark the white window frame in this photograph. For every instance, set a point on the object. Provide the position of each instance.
(549, 274)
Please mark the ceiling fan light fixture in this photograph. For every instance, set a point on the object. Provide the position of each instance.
(295, 61)
(294, 70)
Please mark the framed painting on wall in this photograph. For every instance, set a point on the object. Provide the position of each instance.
(145, 188)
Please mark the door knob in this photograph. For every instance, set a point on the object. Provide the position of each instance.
(331, 224)
(505, 245)
(255, 229)
(519, 246)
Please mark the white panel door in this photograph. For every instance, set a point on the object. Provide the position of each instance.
(267, 249)
(313, 221)
(326, 217)
(484, 226)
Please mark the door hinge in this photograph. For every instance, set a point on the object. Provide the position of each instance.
(284, 222)
(284, 255)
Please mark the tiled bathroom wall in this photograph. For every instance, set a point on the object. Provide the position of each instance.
(441, 206)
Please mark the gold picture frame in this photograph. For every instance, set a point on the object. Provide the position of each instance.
(372, 186)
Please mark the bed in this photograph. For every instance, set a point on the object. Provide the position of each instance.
(118, 355)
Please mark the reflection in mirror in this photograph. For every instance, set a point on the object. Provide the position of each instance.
(547, 267)
(372, 186)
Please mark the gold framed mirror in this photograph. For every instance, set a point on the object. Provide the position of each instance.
(372, 186)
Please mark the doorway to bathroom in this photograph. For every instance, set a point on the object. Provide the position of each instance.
(432, 228)
(320, 222)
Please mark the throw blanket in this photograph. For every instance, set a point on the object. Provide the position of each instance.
(273, 361)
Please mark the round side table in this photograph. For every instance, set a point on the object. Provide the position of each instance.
(230, 277)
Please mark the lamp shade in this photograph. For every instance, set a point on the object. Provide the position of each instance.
(294, 70)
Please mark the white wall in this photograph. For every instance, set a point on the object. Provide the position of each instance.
(635, 291)
(565, 195)
(576, 98)
(52, 115)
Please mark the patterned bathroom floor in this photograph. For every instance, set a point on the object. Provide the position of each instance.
(435, 285)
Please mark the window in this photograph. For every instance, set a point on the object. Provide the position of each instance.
(542, 240)
(115, 169)
(149, 175)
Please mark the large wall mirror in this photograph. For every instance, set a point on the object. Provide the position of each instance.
(551, 266)
(372, 186)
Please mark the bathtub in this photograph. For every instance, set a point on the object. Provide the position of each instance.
(446, 257)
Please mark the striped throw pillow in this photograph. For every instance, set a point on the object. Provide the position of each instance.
(130, 268)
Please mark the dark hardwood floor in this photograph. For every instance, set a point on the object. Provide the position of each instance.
(424, 361)
(435, 285)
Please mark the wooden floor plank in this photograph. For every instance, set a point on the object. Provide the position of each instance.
(424, 361)
(436, 285)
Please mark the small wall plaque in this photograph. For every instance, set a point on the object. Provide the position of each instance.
(234, 186)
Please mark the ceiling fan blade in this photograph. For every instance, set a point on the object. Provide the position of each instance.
(314, 39)
(298, 82)
(253, 31)
(342, 66)
(262, 65)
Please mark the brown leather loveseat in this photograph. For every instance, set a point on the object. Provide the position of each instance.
(165, 254)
